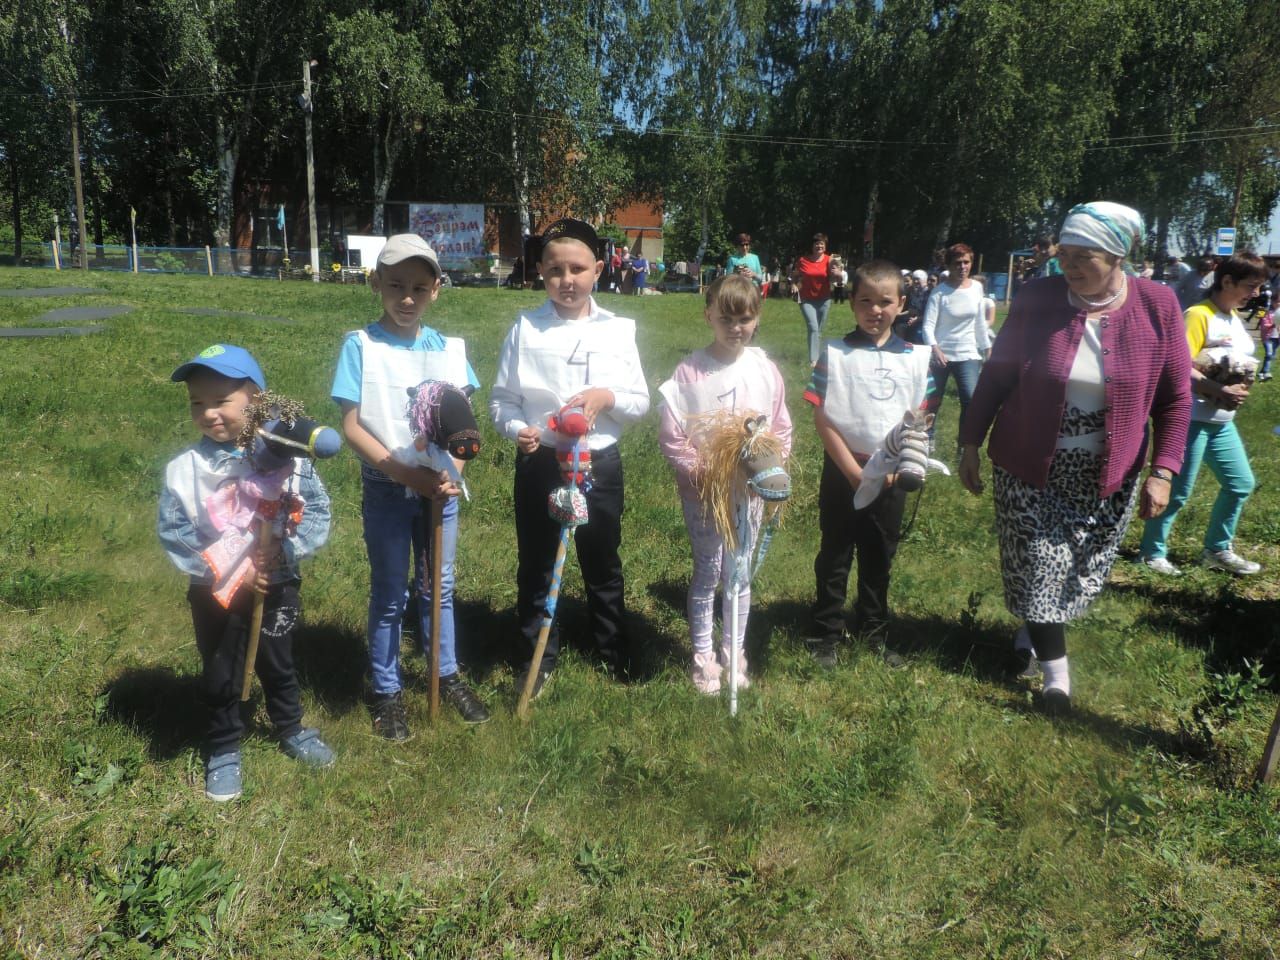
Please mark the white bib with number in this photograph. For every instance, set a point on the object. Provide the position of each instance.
(745, 385)
(869, 390)
(388, 372)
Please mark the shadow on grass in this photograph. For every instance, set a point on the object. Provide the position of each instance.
(979, 650)
(659, 648)
(166, 708)
(161, 705)
(331, 663)
(483, 637)
(1123, 735)
(1229, 628)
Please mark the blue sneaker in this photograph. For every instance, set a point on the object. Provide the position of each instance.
(222, 777)
(306, 747)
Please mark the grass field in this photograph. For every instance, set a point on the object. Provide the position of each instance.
(925, 813)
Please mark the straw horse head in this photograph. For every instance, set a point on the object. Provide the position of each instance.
(739, 457)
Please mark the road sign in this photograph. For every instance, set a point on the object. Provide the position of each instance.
(1226, 244)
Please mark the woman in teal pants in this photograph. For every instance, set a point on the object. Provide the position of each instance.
(1213, 438)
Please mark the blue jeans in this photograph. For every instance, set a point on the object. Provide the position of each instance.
(1268, 354)
(966, 373)
(391, 532)
(815, 317)
(1220, 445)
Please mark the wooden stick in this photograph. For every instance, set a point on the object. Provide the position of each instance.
(208, 259)
(1271, 752)
(548, 617)
(255, 625)
(437, 561)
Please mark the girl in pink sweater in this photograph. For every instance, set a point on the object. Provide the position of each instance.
(727, 374)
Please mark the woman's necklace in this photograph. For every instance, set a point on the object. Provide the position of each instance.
(1098, 304)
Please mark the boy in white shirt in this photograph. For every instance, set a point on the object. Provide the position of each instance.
(569, 352)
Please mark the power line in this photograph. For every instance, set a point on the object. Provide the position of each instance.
(1117, 142)
(1100, 143)
(1189, 139)
(138, 95)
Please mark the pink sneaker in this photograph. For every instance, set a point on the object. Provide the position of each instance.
(706, 673)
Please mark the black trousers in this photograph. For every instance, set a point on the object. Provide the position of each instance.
(222, 636)
(597, 542)
(872, 533)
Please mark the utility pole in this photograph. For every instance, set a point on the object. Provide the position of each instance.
(311, 170)
(75, 155)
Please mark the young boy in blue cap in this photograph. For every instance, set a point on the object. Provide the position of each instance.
(206, 537)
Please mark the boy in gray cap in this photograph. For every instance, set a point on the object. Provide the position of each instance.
(376, 368)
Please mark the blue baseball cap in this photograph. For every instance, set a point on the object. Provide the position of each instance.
(235, 363)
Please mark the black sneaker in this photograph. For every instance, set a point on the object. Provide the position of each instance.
(1055, 703)
(458, 692)
(389, 719)
(823, 652)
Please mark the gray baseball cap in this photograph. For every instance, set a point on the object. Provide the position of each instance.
(404, 246)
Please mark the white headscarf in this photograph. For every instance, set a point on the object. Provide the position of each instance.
(1102, 225)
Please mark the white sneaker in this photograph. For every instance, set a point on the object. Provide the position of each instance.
(1230, 561)
(1160, 565)
(706, 673)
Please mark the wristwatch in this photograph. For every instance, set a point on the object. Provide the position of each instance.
(1161, 474)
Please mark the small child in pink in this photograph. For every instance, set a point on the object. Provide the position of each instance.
(727, 374)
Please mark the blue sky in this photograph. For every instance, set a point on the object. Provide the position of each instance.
(1271, 242)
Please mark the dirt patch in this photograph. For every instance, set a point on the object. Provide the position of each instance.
(82, 314)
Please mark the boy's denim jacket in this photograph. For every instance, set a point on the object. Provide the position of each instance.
(183, 523)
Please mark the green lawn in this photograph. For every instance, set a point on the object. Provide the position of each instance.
(925, 813)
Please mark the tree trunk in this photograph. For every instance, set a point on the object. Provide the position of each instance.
(704, 233)
(168, 191)
(381, 183)
(225, 200)
(168, 213)
(1235, 199)
(15, 184)
(95, 188)
(869, 220)
(943, 238)
(521, 183)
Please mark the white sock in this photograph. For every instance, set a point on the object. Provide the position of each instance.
(1056, 675)
(1022, 640)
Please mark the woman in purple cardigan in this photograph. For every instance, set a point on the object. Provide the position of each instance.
(1082, 363)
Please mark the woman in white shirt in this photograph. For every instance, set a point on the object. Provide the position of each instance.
(955, 326)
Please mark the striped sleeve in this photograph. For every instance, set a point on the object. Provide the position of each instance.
(816, 392)
(932, 395)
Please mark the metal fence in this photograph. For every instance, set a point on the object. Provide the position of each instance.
(225, 261)
(230, 261)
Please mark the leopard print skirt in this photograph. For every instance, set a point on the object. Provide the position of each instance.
(1057, 545)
